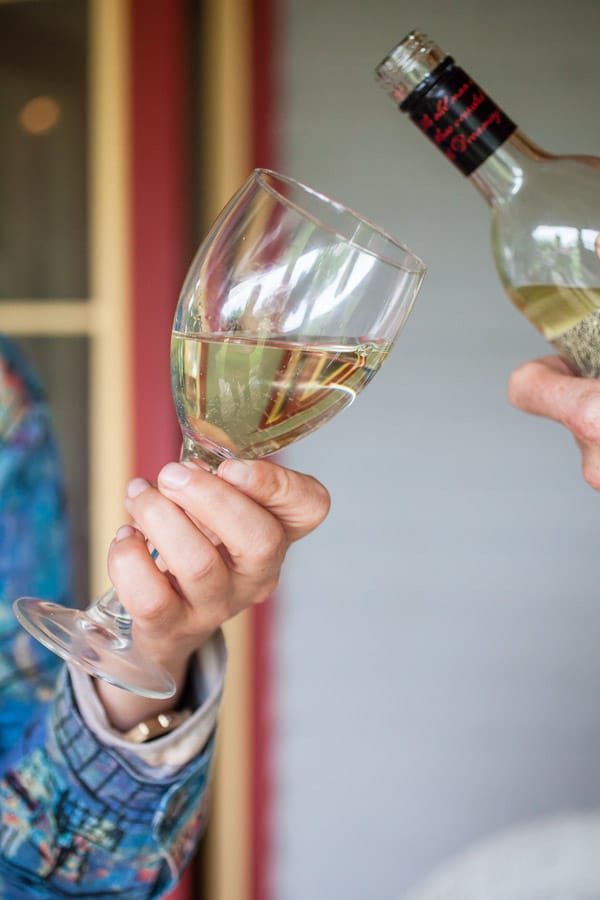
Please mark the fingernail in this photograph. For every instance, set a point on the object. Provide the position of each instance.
(174, 475)
(123, 532)
(235, 471)
(136, 487)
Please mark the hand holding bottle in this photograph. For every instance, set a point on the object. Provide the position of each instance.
(547, 387)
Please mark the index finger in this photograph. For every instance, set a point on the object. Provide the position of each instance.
(298, 501)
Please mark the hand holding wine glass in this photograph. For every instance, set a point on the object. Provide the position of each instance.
(290, 307)
(256, 509)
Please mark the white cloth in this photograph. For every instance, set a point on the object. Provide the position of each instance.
(550, 859)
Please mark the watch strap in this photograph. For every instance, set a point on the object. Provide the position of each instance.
(157, 726)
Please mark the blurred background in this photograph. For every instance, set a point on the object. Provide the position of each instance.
(428, 672)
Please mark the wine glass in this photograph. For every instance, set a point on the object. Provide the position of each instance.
(291, 305)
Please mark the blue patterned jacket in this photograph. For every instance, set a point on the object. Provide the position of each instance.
(78, 816)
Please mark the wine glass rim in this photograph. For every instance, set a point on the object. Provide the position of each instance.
(415, 263)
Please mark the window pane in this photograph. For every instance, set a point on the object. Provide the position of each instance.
(43, 84)
(62, 365)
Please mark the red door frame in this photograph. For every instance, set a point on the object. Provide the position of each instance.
(159, 218)
(159, 169)
(160, 227)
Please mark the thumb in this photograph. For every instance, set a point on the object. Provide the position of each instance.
(547, 387)
(298, 501)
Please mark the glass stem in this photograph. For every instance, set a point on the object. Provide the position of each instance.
(208, 456)
(109, 612)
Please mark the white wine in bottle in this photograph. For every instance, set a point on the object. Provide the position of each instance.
(545, 209)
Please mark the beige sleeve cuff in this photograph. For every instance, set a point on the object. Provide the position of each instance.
(174, 750)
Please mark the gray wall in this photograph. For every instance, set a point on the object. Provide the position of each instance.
(438, 672)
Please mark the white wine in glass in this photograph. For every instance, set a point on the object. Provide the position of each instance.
(291, 305)
(250, 397)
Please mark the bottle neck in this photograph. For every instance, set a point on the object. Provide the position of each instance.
(458, 117)
(466, 125)
(502, 173)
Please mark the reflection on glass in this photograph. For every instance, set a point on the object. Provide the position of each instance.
(43, 85)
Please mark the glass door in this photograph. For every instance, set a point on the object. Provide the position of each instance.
(63, 281)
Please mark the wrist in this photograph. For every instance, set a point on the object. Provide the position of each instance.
(125, 709)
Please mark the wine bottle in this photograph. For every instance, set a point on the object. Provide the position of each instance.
(545, 209)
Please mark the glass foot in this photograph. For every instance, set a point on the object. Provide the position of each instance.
(100, 651)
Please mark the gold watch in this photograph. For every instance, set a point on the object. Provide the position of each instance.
(156, 727)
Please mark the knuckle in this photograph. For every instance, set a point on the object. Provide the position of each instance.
(118, 561)
(286, 489)
(514, 387)
(591, 472)
(322, 501)
(210, 616)
(519, 383)
(296, 487)
(151, 514)
(278, 484)
(262, 590)
(268, 544)
(155, 610)
(273, 481)
(269, 589)
(263, 595)
(584, 421)
(151, 609)
(200, 568)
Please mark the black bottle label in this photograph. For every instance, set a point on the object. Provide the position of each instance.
(454, 113)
